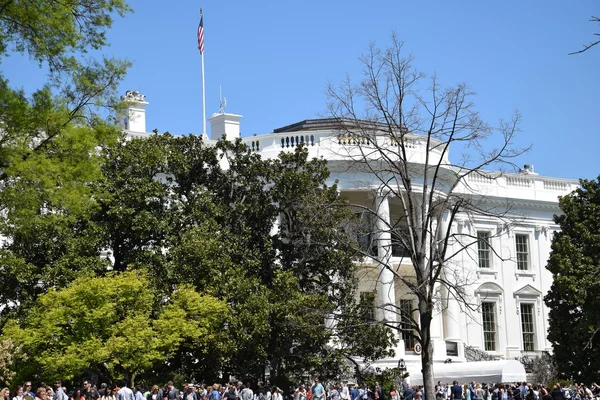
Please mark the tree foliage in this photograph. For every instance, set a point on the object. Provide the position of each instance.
(113, 324)
(184, 212)
(214, 209)
(50, 141)
(574, 317)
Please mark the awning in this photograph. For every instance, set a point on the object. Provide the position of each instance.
(478, 371)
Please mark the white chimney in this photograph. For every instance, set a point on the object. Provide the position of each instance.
(134, 118)
(225, 124)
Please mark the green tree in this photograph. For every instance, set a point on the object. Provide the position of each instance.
(216, 222)
(113, 324)
(50, 140)
(574, 317)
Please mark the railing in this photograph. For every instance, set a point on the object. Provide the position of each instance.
(479, 178)
(556, 185)
(297, 140)
(519, 182)
(473, 354)
(352, 140)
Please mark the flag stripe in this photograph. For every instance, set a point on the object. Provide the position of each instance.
(201, 35)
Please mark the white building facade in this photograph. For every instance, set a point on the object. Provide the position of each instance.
(507, 278)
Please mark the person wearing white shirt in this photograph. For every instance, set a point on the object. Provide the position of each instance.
(125, 393)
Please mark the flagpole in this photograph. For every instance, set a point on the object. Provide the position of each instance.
(203, 89)
(203, 99)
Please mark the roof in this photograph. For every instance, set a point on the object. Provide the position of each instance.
(329, 123)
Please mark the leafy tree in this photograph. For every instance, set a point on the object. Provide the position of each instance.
(49, 143)
(216, 223)
(113, 324)
(574, 317)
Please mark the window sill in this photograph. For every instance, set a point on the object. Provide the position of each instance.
(487, 271)
(525, 274)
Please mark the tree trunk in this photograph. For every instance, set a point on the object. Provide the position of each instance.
(132, 383)
(427, 351)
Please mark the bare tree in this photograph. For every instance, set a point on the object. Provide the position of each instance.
(396, 126)
(588, 46)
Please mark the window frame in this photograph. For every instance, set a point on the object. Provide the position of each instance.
(367, 301)
(527, 253)
(532, 322)
(410, 341)
(488, 243)
(494, 323)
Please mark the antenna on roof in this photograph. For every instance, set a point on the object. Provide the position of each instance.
(222, 102)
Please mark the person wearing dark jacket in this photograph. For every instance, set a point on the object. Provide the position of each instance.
(557, 393)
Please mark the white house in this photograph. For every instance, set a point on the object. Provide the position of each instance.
(507, 280)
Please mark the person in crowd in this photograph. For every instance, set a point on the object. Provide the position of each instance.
(40, 394)
(473, 391)
(189, 393)
(153, 394)
(59, 392)
(302, 395)
(76, 395)
(409, 393)
(334, 394)
(27, 390)
(137, 393)
(109, 394)
(455, 391)
(214, 392)
(344, 391)
(230, 394)
(124, 392)
(439, 392)
(479, 392)
(557, 393)
(5, 394)
(89, 392)
(246, 393)
(276, 393)
(49, 393)
(104, 390)
(18, 393)
(318, 391)
(353, 392)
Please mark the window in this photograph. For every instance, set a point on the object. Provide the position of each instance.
(367, 304)
(522, 242)
(364, 236)
(484, 249)
(488, 317)
(406, 326)
(528, 327)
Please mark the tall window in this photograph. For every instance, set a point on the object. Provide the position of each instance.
(367, 304)
(522, 242)
(527, 327)
(364, 235)
(488, 316)
(406, 312)
(483, 249)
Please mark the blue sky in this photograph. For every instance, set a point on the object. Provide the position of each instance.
(274, 58)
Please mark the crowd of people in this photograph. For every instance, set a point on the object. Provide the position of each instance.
(315, 391)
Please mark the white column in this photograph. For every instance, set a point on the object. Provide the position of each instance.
(385, 283)
(451, 309)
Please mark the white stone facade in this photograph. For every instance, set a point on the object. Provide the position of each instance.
(507, 284)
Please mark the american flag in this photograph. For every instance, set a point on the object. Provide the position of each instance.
(201, 34)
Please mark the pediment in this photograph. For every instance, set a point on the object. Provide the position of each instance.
(528, 290)
(489, 287)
